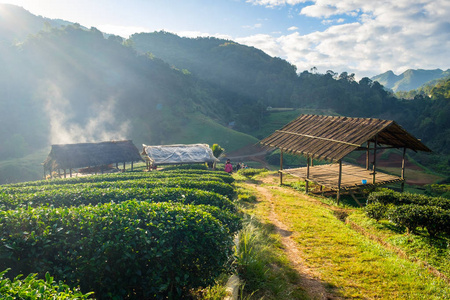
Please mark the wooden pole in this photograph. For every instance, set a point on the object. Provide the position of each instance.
(281, 167)
(64, 172)
(131, 166)
(339, 181)
(368, 156)
(70, 172)
(308, 162)
(312, 162)
(403, 169)
(124, 166)
(375, 158)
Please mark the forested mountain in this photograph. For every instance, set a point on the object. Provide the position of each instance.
(410, 79)
(68, 84)
(17, 23)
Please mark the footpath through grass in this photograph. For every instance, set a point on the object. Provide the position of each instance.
(352, 265)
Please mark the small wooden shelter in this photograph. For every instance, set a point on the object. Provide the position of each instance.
(333, 138)
(75, 156)
(178, 154)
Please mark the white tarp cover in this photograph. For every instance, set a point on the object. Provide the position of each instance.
(179, 154)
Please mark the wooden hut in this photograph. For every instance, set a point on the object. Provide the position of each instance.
(75, 156)
(333, 138)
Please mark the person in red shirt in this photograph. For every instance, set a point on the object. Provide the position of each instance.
(228, 167)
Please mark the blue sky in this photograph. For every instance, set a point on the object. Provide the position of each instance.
(356, 36)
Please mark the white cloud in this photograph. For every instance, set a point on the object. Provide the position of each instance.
(123, 31)
(388, 35)
(274, 3)
(292, 28)
(251, 27)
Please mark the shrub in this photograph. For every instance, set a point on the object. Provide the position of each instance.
(133, 249)
(32, 288)
(409, 216)
(376, 211)
(250, 172)
(436, 220)
(186, 167)
(383, 196)
(84, 195)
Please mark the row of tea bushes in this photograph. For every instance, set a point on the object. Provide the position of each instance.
(84, 195)
(148, 183)
(386, 196)
(131, 249)
(204, 175)
(411, 211)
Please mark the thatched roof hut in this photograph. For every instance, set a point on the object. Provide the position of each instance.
(333, 138)
(72, 156)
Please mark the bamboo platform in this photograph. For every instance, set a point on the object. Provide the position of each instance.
(352, 176)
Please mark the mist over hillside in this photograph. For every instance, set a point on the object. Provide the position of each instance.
(67, 84)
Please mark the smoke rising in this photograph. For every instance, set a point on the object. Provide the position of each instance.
(102, 125)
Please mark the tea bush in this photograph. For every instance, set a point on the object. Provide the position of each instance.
(132, 249)
(84, 195)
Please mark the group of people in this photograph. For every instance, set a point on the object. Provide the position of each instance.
(229, 166)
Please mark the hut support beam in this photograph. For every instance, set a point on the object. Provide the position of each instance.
(124, 166)
(65, 173)
(368, 156)
(375, 159)
(281, 166)
(339, 182)
(308, 162)
(403, 169)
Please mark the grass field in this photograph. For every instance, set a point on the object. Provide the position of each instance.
(350, 264)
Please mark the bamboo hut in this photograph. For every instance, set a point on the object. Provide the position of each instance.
(333, 138)
(82, 155)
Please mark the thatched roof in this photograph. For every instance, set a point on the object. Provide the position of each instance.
(81, 155)
(332, 138)
(179, 154)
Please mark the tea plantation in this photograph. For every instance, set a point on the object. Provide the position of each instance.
(135, 235)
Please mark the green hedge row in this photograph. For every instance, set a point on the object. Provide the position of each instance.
(386, 196)
(410, 210)
(194, 182)
(133, 249)
(81, 195)
(32, 288)
(205, 175)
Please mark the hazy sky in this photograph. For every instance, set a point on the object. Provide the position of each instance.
(358, 36)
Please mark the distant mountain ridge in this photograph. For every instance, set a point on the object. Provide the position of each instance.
(410, 79)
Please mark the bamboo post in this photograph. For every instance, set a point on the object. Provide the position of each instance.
(124, 166)
(375, 158)
(368, 156)
(308, 162)
(64, 172)
(281, 167)
(339, 182)
(403, 169)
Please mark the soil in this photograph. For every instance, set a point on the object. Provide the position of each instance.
(310, 280)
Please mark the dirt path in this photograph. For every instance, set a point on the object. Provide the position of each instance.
(310, 280)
